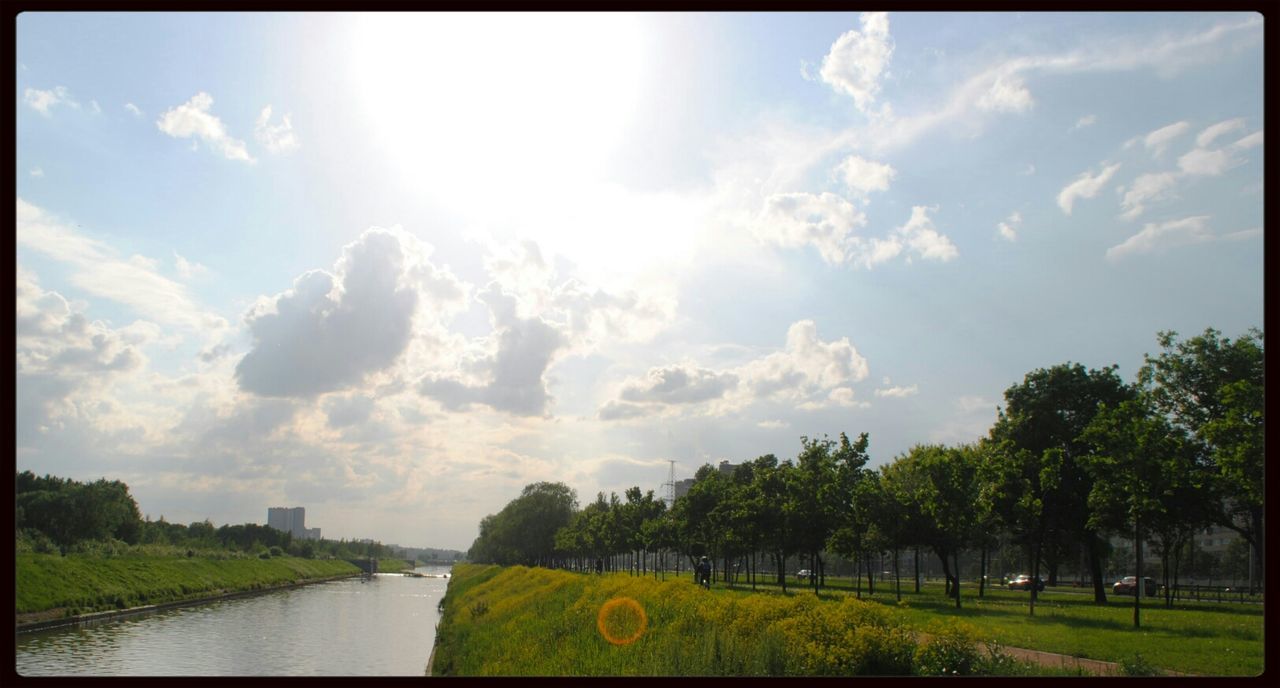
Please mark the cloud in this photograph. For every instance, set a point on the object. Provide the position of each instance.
(1085, 121)
(43, 101)
(1085, 186)
(679, 384)
(37, 172)
(618, 410)
(1158, 140)
(193, 120)
(898, 391)
(825, 221)
(100, 271)
(97, 109)
(511, 378)
(1207, 136)
(187, 269)
(806, 366)
(1163, 236)
(864, 176)
(923, 238)
(137, 112)
(857, 60)
(1007, 93)
(331, 330)
(1009, 227)
(277, 138)
(1205, 162)
(773, 424)
(1147, 188)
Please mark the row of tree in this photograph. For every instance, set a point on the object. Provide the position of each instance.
(1075, 456)
(57, 514)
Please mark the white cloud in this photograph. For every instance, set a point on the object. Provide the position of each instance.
(1085, 186)
(898, 391)
(1085, 121)
(97, 109)
(37, 172)
(806, 71)
(825, 221)
(43, 101)
(1207, 136)
(1153, 237)
(1009, 227)
(1205, 162)
(193, 120)
(857, 60)
(137, 112)
(1147, 188)
(330, 331)
(923, 238)
(278, 138)
(99, 270)
(678, 384)
(1028, 170)
(187, 269)
(1007, 93)
(864, 176)
(806, 366)
(773, 424)
(1158, 140)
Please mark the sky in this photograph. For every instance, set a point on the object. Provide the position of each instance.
(393, 268)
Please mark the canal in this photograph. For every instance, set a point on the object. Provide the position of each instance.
(381, 627)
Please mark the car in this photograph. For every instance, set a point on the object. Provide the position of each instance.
(1023, 582)
(802, 574)
(1128, 584)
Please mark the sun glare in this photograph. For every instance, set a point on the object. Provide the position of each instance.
(470, 106)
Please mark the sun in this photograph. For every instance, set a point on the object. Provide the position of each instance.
(474, 107)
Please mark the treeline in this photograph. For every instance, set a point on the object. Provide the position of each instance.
(61, 515)
(1075, 456)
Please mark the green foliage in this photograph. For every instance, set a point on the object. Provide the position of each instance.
(67, 512)
(952, 650)
(525, 530)
(1137, 666)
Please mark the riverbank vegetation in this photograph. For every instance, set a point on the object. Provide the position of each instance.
(1078, 466)
(50, 586)
(501, 621)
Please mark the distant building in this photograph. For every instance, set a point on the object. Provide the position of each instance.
(726, 471)
(682, 487)
(292, 520)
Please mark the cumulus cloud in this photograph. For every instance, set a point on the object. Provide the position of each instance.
(193, 120)
(99, 270)
(511, 378)
(923, 238)
(825, 221)
(1206, 162)
(898, 392)
(278, 138)
(1009, 227)
(1085, 186)
(43, 101)
(1158, 140)
(331, 330)
(808, 372)
(1145, 189)
(679, 384)
(187, 269)
(858, 59)
(864, 176)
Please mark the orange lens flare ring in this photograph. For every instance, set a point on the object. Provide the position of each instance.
(616, 604)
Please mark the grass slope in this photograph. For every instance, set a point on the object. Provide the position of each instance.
(71, 585)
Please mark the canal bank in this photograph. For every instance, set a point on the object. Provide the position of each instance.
(96, 617)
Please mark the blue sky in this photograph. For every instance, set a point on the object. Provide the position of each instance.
(394, 267)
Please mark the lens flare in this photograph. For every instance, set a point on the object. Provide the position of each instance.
(624, 612)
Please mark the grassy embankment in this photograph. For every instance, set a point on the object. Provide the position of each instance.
(49, 586)
(394, 565)
(502, 621)
(499, 621)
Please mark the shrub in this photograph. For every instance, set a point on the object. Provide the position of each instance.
(276, 551)
(951, 650)
(1137, 666)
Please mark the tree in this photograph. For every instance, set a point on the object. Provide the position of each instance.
(1037, 437)
(1212, 387)
(524, 532)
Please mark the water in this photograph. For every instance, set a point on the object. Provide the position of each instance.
(383, 627)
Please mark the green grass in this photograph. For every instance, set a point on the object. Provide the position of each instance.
(79, 584)
(505, 621)
(1205, 638)
(394, 565)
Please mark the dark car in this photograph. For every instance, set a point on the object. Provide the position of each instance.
(1023, 582)
(1128, 584)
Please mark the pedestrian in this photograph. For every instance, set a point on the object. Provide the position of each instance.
(703, 571)
(599, 565)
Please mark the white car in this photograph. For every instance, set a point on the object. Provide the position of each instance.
(802, 574)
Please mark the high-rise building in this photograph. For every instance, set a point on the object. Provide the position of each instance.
(291, 520)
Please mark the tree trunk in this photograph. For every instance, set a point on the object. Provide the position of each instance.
(1137, 544)
(956, 557)
(982, 573)
(871, 581)
(916, 561)
(897, 580)
(1095, 567)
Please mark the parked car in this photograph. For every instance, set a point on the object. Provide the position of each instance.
(1127, 585)
(802, 574)
(1023, 582)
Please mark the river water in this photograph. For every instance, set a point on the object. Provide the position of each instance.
(382, 627)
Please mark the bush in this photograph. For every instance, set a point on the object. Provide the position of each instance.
(1137, 666)
(951, 650)
(276, 551)
(265, 555)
